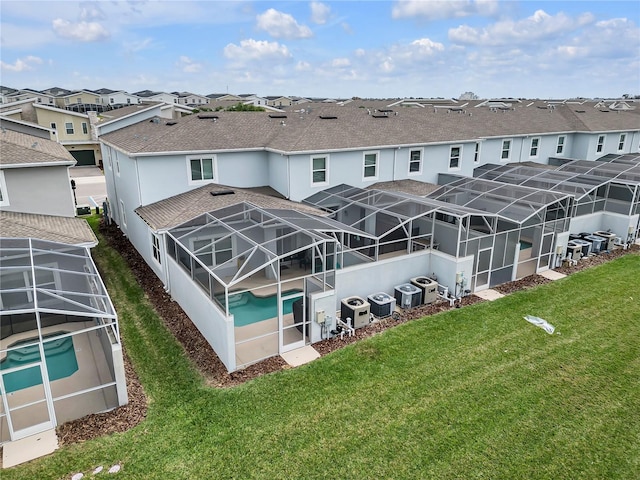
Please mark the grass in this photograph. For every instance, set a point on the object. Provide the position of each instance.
(470, 393)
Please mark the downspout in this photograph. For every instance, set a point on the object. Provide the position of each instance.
(395, 151)
(288, 178)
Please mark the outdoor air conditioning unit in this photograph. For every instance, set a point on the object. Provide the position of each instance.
(574, 251)
(610, 237)
(357, 309)
(382, 304)
(584, 244)
(598, 244)
(407, 295)
(428, 287)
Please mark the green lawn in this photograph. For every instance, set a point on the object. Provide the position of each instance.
(471, 393)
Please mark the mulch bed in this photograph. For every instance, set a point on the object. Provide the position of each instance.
(198, 350)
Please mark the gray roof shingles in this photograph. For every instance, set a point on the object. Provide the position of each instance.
(19, 148)
(70, 230)
(355, 128)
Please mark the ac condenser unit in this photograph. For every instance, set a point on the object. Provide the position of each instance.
(428, 287)
(357, 309)
(598, 244)
(574, 251)
(382, 304)
(586, 246)
(407, 295)
(610, 237)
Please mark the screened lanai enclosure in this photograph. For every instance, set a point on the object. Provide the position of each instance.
(257, 268)
(60, 353)
(607, 195)
(513, 232)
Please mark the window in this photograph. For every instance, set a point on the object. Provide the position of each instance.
(560, 146)
(506, 150)
(111, 100)
(600, 145)
(85, 130)
(370, 166)
(454, 157)
(319, 170)
(623, 137)
(128, 100)
(212, 252)
(415, 162)
(535, 144)
(53, 126)
(4, 197)
(155, 248)
(476, 154)
(79, 100)
(69, 127)
(123, 215)
(201, 169)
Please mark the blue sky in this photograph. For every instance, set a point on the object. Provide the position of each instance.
(404, 48)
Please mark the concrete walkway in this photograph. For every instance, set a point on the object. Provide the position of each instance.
(28, 448)
(300, 356)
(489, 294)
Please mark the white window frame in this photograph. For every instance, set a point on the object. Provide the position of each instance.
(66, 128)
(214, 169)
(325, 169)
(508, 149)
(4, 200)
(562, 139)
(156, 251)
(85, 128)
(476, 153)
(123, 214)
(211, 250)
(600, 144)
(53, 126)
(458, 157)
(420, 152)
(365, 166)
(621, 141)
(534, 150)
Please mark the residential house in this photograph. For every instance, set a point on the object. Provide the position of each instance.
(279, 101)
(80, 101)
(191, 99)
(117, 98)
(6, 92)
(34, 175)
(150, 96)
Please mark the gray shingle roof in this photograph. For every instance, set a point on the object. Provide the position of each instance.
(412, 187)
(180, 208)
(74, 231)
(355, 128)
(19, 148)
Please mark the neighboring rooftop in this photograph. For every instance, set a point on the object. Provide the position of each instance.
(22, 149)
(70, 230)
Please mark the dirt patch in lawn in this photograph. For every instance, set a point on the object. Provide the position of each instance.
(198, 350)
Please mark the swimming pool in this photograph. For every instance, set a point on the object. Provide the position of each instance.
(246, 308)
(60, 358)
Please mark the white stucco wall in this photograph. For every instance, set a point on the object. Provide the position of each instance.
(43, 190)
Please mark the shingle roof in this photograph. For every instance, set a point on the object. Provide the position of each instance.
(20, 148)
(180, 208)
(357, 128)
(412, 187)
(74, 231)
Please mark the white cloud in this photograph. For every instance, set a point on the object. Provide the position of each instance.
(426, 46)
(137, 45)
(441, 9)
(187, 65)
(539, 26)
(282, 25)
(340, 62)
(91, 11)
(319, 12)
(360, 52)
(21, 64)
(303, 66)
(255, 50)
(81, 31)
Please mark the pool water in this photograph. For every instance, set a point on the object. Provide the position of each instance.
(59, 355)
(246, 308)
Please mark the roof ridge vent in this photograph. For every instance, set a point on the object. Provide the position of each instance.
(328, 117)
(208, 116)
(277, 115)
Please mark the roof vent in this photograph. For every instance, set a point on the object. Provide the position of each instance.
(220, 193)
(155, 120)
(277, 115)
(207, 116)
(580, 111)
(385, 110)
(604, 111)
(170, 123)
(377, 115)
(328, 117)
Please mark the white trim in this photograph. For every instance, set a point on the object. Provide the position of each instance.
(43, 164)
(459, 166)
(61, 111)
(28, 124)
(420, 162)
(214, 168)
(562, 145)
(622, 139)
(66, 128)
(377, 165)
(4, 202)
(326, 170)
(599, 145)
(156, 246)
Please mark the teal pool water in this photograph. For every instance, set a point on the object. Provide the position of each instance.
(246, 308)
(59, 355)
